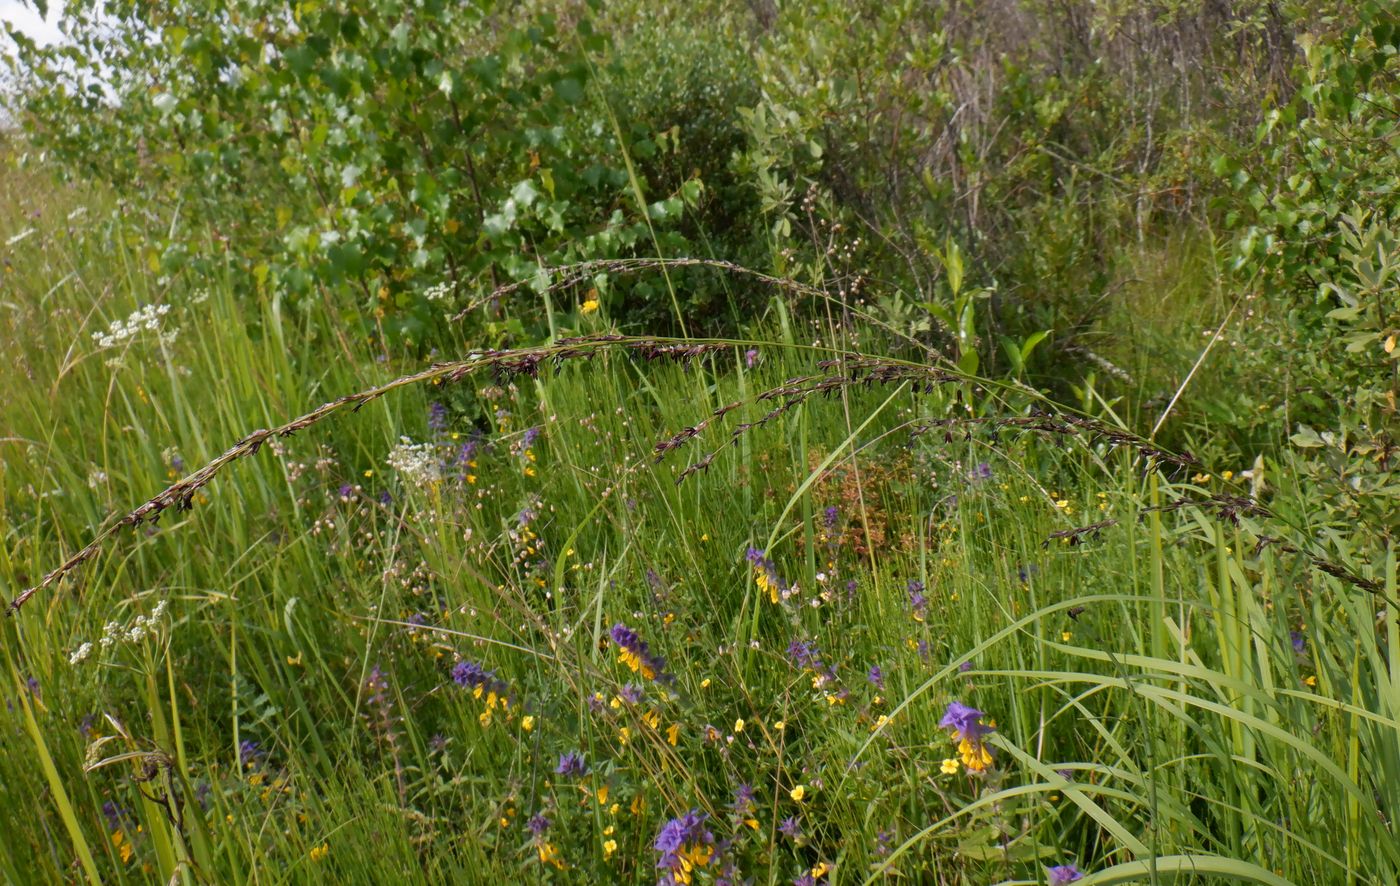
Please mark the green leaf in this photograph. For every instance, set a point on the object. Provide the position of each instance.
(1306, 438)
(1013, 354)
(968, 362)
(952, 260)
(1031, 341)
(524, 193)
(1192, 868)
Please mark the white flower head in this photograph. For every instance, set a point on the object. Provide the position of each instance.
(418, 463)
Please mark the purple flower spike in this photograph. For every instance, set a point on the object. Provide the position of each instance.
(684, 843)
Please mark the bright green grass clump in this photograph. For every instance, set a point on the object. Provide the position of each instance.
(477, 630)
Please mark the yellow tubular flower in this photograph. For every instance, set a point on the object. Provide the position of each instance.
(975, 755)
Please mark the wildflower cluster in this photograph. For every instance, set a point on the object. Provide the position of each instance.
(529, 550)
(485, 687)
(524, 449)
(637, 655)
(571, 765)
(684, 844)
(538, 826)
(144, 319)
(113, 633)
(440, 292)
(418, 463)
(120, 822)
(918, 603)
(806, 656)
(437, 418)
(968, 731)
(767, 578)
(830, 538)
(380, 716)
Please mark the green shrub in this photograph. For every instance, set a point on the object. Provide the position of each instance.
(397, 156)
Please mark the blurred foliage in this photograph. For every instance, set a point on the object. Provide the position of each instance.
(1314, 197)
(408, 154)
(401, 151)
(403, 160)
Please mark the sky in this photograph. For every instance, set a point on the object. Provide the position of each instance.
(23, 16)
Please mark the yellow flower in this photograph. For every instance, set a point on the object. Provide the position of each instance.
(527, 722)
(798, 793)
(705, 683)
(634, 661)
(950, 766)
(739, 725)
(975, 755)
(821, 870)
(1227, 474)
(484, 719)
(609, 847)
(780, 725)
(589, 306)
(320, 852)
(673, 733)
(119, 841)
(602, 795)
(549, 854)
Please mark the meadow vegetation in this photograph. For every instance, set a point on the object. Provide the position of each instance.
(809, 442)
